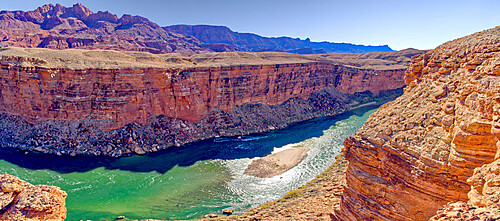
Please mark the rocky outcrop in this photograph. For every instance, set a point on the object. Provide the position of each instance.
(415, 154)
(256, 43)
(484, 197)
(485, 190)
(20, 200)
(50, 102)
(463, 211)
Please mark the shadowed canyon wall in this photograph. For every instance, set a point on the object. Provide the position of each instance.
(415, 154)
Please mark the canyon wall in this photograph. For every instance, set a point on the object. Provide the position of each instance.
(415, 154)
(117, 97)
(122, 108)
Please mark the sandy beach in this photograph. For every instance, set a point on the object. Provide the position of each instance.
(276, 163)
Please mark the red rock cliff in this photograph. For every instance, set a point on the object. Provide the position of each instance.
(59, 27)
(484, 197)
(117, 97)
(415, 154)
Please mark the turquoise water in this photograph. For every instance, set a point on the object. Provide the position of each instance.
(186, 182)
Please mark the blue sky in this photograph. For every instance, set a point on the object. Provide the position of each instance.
(401, 24)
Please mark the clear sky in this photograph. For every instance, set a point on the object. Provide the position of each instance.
(422, 24)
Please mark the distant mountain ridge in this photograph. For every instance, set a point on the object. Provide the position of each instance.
(256, 43)
(59, 27)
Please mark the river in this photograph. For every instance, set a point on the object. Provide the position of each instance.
(186, 182)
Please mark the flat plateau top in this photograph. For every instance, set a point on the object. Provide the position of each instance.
(109, 59)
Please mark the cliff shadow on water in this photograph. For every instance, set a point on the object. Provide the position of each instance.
(223, 148)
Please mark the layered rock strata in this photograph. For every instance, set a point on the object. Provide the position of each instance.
(20, 200)
(484, 197)
(59, 27)
(114, 103)
(415, 154)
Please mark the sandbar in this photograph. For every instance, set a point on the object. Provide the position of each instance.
(276, 163)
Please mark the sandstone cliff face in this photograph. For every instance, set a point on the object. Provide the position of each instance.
(118, 97)
(19, 200)
(484, 197)
(415, 154)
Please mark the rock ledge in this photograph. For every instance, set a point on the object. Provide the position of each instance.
(20, 200)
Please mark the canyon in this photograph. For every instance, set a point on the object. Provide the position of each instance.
(432, 153)
(99, 102)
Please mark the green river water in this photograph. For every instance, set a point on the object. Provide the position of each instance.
(186, 182)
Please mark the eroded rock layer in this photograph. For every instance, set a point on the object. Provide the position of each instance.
(20, 200)
(484, 197)
(52, 103)
(415, 154)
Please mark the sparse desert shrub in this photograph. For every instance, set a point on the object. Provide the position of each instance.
(293, 194)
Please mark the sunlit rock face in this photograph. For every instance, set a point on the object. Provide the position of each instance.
(20, 200)
(415, 154)
(483, 197)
